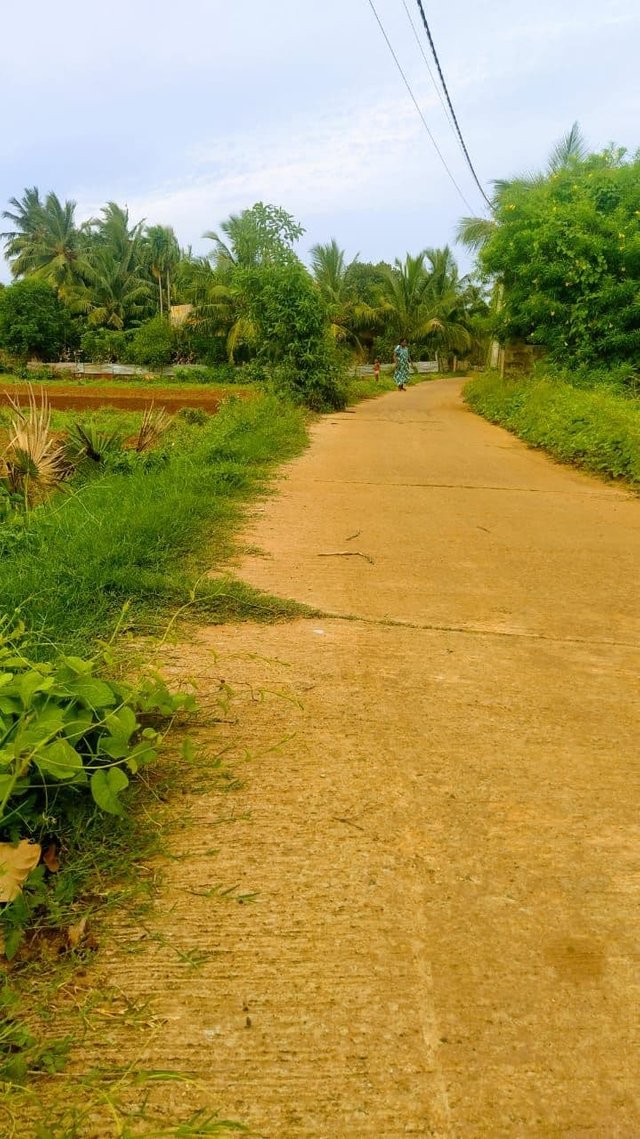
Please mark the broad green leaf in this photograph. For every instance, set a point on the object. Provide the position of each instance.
(77, 722)
(79, 666)
(13, 939)
(10, 705)
(93, 693)
(121, 725)
(59, 760)
(28, 684)
(142, 754)
(5, 678)
(116, 747)
(42, 726)
(189, 750)
(106, 785)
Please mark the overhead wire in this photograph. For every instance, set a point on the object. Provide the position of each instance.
(416, 104)
(434, 81)
(450, 104)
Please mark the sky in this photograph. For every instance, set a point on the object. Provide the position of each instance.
(187, 112)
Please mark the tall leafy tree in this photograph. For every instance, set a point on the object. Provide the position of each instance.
(570, 150)
(292, 333)
(264, 234)
(563, 249)
(33, 320)
(252, 240)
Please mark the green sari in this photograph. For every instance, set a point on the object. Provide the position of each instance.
(401, 374)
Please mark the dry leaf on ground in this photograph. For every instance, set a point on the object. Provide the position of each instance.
(16, 864)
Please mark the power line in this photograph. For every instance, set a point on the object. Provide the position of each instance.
(431, 75)
(417, 105)
(448, 97)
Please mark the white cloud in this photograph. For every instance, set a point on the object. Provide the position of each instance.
(349, 158)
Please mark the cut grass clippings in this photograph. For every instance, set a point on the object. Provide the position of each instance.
(597, 429)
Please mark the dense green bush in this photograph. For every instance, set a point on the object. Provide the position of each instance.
(104, 345)
(624, 379)
(202, 345)
(152, 344)
(597, 429)
(207, 374)
(292, 333)
(33, 320)
(566, 248)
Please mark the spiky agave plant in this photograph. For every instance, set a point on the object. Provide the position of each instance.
(33, 459)
(89, 446)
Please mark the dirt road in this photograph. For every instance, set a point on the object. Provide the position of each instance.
(436, 854)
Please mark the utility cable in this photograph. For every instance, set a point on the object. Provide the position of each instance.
(448, 97)
(417, 105)
(436, 86)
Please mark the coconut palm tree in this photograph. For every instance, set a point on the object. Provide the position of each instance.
(224, 311)
(572, 148)
(329, 269)
(114, 231)
(348, 316)
(219, 308)
(418, 307)
(46, 241)
(443, 271)
(115, 292)
(162, 253)
(26, 215)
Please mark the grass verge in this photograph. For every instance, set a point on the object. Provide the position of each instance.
(595, 429)
(141, 541)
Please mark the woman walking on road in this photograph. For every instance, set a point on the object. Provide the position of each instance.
(402, 362)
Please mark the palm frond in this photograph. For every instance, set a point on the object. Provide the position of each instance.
(474, 232)
(571, 148)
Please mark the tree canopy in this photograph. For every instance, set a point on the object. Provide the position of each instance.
(564, 245)
(250, 298)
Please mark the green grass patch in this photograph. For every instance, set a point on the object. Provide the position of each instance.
(140, 540)
(595, 429)
(107, 419)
